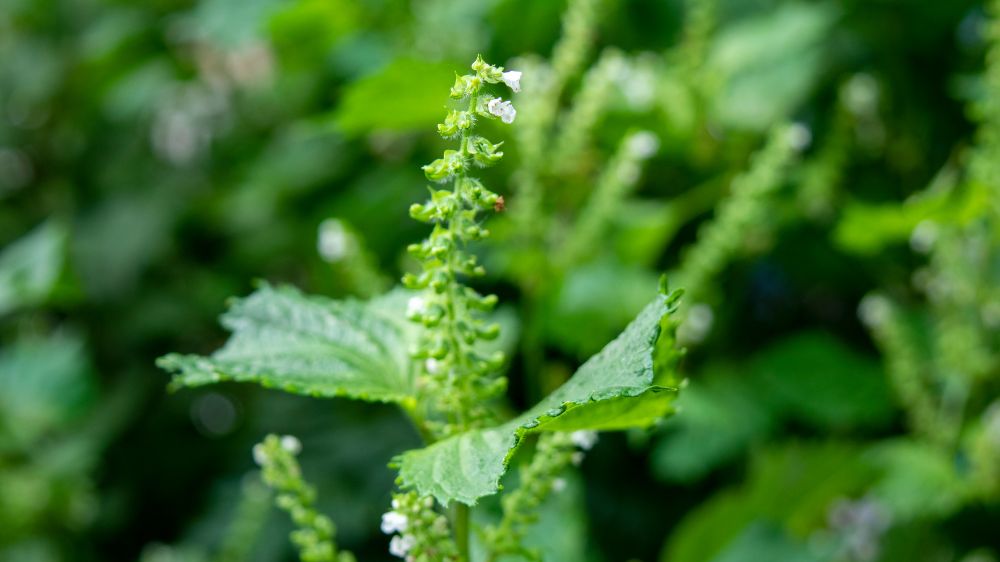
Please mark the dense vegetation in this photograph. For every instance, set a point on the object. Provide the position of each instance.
(820, 178)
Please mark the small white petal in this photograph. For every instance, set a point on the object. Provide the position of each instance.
(874, 310)
(502, 109)
(400, 545)
(335, 242)
(508, 113)
(393, 522)
(643, 144)
(513, 80)
(291, 444)
(259, 456)
(584, 439)
(799, 136)
(415, 307)
(923, 236)
(558, 485)
(432, 365)
(396, 547)
(697, 325)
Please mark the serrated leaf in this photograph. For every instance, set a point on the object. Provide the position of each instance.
(615, 389)
(309, 345)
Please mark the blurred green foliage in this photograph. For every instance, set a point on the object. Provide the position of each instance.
(157, 157)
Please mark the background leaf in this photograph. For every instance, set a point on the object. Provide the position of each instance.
(404, 95)
(30, 267)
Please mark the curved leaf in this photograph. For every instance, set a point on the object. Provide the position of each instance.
(615, 389)
(309, 345)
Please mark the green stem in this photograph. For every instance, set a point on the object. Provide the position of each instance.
(460, 526)
(417, 419)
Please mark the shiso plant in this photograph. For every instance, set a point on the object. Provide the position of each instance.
(426, 347)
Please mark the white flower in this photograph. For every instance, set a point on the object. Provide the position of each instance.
(584, 439)
(502, 109)
(513, 80)
(558, 485)
(874, 310)
(643, 144)
(335, 242)
(799, 136)
(291, 444)
(697, 324)
(432, 365)
(259, 455)
(415, 307)
(393, 522)
(923, 236)
(577, 458)
(400, 545)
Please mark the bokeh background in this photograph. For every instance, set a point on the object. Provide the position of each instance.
(158, 157)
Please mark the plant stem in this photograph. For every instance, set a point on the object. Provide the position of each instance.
(460, 525)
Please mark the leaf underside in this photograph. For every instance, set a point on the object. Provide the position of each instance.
(615, 389)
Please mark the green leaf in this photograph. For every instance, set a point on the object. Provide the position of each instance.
(918, 480)
(44, 385)
(604, 296)
(767, 65)
(615, 389)
(30, 267)
(402, 96)
(761, 541)
(869, 228)
(817, 379)
(724, 413)
(791, 487)
(309, 345)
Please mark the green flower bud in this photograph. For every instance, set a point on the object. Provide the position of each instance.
(484, 153)
(446, 167)
(455, 123)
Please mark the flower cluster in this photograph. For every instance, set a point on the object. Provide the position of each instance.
(455, 375)
(314, 532)
(419, 533)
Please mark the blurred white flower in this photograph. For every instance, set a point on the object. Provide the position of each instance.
(400, 545)
(799, 136)
(923, 236)
(584, 439)
(291, 444)
(393, 522)
(335, 241)
(259, 456)
(873, 310)
(415, 307)
(643, 144)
